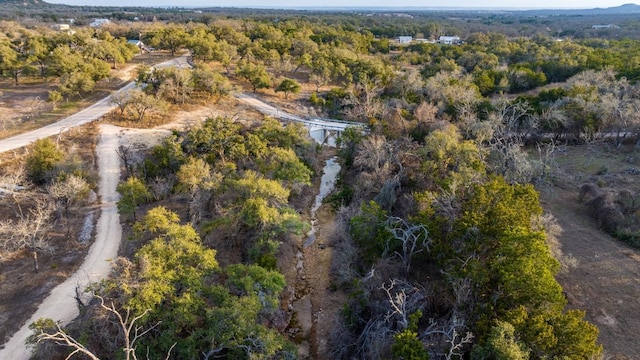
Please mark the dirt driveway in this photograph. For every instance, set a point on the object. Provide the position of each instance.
(606, 281)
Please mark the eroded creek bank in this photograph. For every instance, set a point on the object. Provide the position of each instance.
(316, 303)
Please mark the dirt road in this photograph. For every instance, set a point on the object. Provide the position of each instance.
(61, 304)
(606, 282)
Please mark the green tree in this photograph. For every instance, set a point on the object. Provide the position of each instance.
(42, 160)
(198, 309)
(407, 346)
(210, 82)
(284, 164)
(368, 231)
(449, 160)
(195, 173)
(513, 272)
(76, 83)
(256, 75)
(143, 103)
(202, 44)
(288, 86)
(217, 139)
(111, 50)
(133, 193)
(54, 98)
(171, 37)
(225, 54)
(40, 47)
(291, 136)
(501, 344)
(12, 62)
(252, 279)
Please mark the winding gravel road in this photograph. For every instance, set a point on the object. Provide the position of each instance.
(87, 115)
(61, 304)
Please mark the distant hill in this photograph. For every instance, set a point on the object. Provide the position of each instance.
(31, 4)
(625, 9)
(622, 9)
(22, 2)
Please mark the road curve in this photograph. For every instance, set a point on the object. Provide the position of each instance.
(61, 304)
(87, 115)
(329, 124)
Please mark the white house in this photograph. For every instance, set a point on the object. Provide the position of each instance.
(405, 39)
(607, 26)
(61, 27)
(99, 22)
(449, 40)
(139, 44)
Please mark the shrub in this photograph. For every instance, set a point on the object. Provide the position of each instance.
(42, 160)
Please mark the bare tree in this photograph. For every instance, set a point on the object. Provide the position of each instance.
(68, 192)
(403, 299)
(515, 120)
(445, 93)
(364, 102)
(549, 224)
(131, 333)
(414, 239)
(450, 338)
(31, 230)
(319, 80)
(161, 187)
(374, 154)
(122, 99)
(125, 154)
(60, 337)
(11, 183)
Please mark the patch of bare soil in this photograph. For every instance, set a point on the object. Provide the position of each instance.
(188, 115)
(22, 288)
(606, 281)
(326, 299)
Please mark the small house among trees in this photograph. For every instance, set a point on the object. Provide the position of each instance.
(607, 26)
(405, 39)
(139, 44)
(96, 23)
(449, 40)
(61, 27)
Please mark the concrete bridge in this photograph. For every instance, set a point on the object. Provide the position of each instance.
(321, 130)
(323, 135)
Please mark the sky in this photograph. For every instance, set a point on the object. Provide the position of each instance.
(524, 4)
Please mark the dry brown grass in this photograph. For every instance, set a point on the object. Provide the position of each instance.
(21, 288)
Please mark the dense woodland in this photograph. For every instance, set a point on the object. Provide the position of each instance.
(445, 250)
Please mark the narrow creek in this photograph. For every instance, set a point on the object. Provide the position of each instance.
(306, 305)
(327, 184)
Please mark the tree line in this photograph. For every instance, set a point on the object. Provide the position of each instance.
(77, 59)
